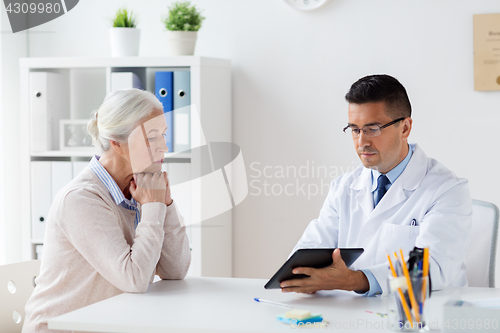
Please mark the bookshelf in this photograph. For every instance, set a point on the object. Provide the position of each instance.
(86, 81)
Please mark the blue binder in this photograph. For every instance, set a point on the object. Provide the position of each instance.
(164, 93)
(182, 111)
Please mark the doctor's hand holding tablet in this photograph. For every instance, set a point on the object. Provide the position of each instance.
(335, 276)
(311, 270)
(397, 199)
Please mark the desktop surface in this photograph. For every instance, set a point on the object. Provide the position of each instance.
(227, 305)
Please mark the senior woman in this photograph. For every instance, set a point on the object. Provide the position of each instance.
(114, 226)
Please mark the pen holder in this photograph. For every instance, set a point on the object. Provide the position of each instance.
(407, 310)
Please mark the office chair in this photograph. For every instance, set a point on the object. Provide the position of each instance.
(17, 282)
(481, 254)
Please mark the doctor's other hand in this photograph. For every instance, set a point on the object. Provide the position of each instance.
(335, 276)
(168, 199)
(148, 187)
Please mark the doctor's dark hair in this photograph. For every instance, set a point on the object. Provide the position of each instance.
(381, 88)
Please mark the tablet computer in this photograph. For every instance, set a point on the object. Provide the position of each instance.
(315, 258)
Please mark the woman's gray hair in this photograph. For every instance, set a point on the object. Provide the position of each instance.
(119, 114)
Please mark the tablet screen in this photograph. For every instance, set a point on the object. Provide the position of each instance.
(315, 258)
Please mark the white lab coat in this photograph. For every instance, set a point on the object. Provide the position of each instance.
(427, 192)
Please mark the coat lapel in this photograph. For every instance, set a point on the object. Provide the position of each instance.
(404, 186)
(392, 198)
(362, 188)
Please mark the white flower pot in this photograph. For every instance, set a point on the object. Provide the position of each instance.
(124, 41)
(181, 42)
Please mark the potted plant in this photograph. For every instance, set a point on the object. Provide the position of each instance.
(124, 35)
(182, 23)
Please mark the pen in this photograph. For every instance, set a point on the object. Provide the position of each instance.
(419, 286)
(271, 302)
(415, 272)
(413, 224)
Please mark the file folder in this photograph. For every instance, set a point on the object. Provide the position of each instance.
(39, 251)
(182, 110)
(41, 197)
(62, 173)
(163, 91)
(46, 108)
(125, 80)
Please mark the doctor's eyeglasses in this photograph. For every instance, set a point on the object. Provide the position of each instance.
(371, 130)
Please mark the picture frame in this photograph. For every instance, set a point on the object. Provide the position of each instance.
(73, 135)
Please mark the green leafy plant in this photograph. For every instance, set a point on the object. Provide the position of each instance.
(183, 16)
(124, 19)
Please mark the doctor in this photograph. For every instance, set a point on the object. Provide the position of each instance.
(398, 198)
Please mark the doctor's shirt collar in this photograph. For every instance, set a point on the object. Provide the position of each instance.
(394, 174)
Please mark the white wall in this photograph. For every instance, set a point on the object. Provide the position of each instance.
(291, 70)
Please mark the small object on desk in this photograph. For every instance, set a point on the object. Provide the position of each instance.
(260, 300)
(313, 318)
(409, 285)
(298, 314)
(382, 315)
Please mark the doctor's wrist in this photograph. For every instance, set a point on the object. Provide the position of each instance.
(359, 282)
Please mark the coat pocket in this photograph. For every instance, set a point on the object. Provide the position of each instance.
(394, 237)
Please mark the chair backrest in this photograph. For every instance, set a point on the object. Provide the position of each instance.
(17, 282)
(480, 257)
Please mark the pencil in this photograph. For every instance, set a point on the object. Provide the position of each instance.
(403, 301)
(413, 301)
(425, 273)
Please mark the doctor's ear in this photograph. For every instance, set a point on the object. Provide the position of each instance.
(407, 124)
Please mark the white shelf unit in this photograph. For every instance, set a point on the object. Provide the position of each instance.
(88, 82)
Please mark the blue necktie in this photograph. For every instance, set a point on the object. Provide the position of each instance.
(382, 181)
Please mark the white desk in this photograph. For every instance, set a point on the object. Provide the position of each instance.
(227, 305)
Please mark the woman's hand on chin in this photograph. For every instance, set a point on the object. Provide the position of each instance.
(149, 187)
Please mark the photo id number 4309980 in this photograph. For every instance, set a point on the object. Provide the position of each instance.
(471, 324)
(41, 7)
